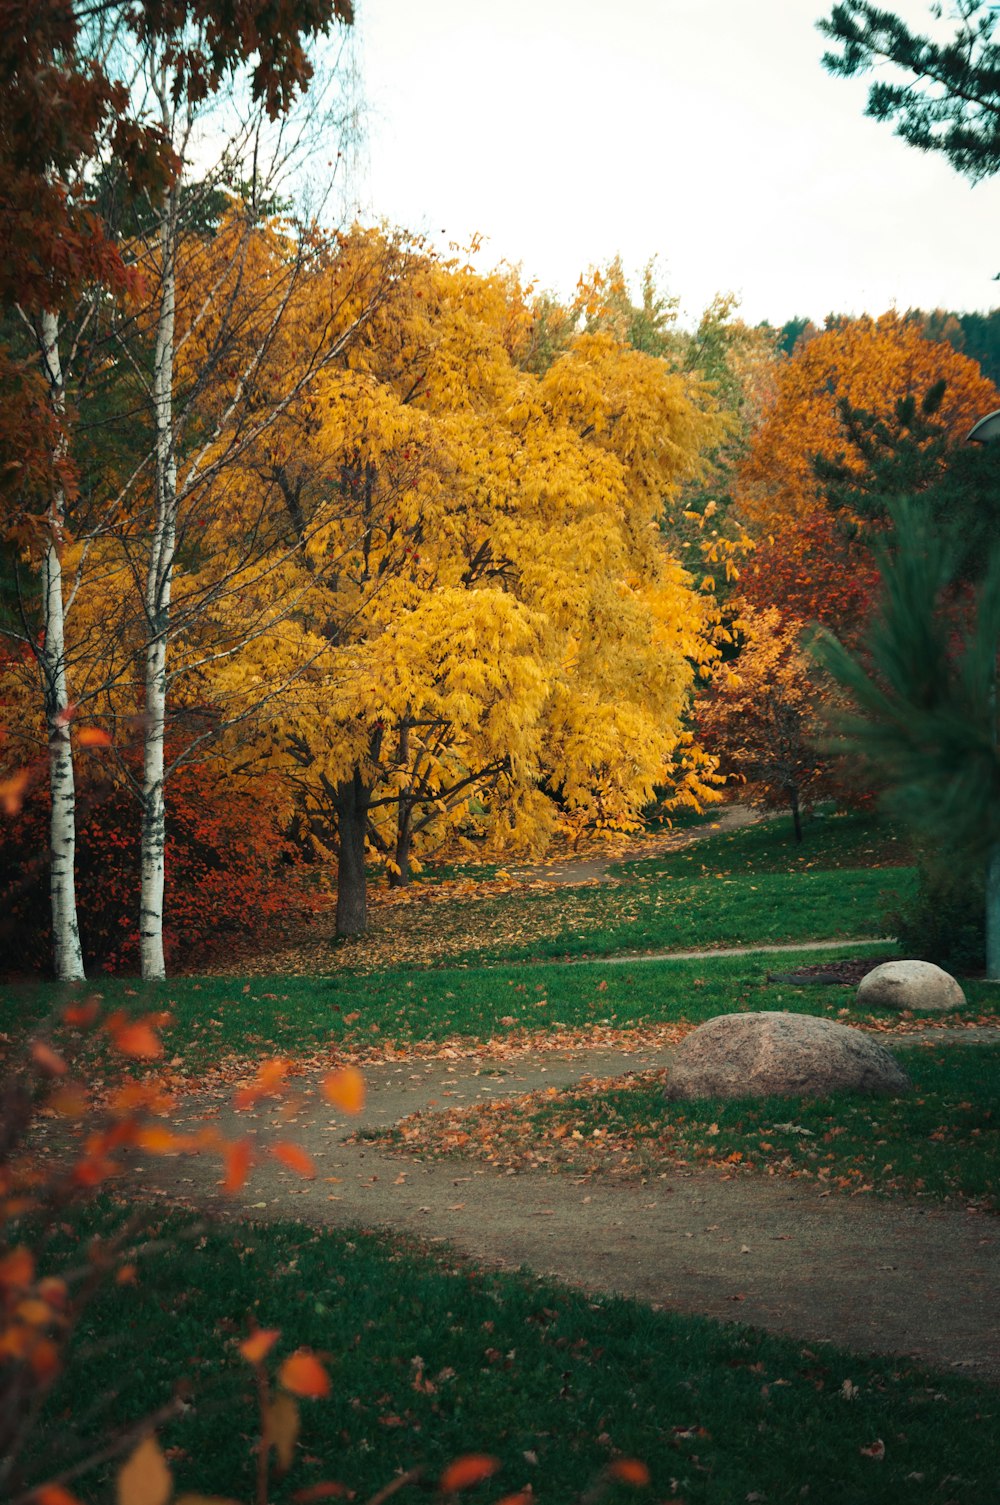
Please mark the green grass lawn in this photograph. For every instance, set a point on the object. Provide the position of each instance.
(218, 1017)
(941, 1142)
(679, 912)
(831, 839)
(430, 1360)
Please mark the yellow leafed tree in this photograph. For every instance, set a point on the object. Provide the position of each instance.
(433, 592)
(510, 644)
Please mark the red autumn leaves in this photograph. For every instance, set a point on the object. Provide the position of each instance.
(131, 1113)
(343, 1088)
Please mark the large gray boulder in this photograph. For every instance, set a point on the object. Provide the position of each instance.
(910, 985)
(774, 1054)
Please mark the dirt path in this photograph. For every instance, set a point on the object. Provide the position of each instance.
(622, 958)
(575, 870)
(874, 1276)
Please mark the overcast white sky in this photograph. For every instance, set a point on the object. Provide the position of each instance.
(704, 132)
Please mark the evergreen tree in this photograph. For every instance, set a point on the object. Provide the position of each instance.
(926, 702)
(912, 453)
(948, 96)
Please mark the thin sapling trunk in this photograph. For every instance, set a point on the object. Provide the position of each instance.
(67, 954)
(157, 606)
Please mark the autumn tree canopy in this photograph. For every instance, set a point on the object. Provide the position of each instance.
(509, 642)
(764, 717)
(869, 364)
(426, 594)
(847, 399)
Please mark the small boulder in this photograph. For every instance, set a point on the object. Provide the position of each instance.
(910, 985)
(775, 1054)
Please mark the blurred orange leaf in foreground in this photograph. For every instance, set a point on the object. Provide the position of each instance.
(259, 1344)
(629, 1471)
(471, 1468)
(303, 1374)
(48, 1060)
(268, 1082)
(345, 1089)
(82, 1013)
(12, 792)
(237, 1158)
(55, 1494)
(295, 1157)
(17, 1269)
(136, 1037)
(144, 1478)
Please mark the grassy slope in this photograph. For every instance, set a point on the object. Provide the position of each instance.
(516, 1368)
(831, 841)
(745, 887)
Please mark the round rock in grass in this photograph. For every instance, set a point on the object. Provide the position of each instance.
(774, 1054)
(910, 985)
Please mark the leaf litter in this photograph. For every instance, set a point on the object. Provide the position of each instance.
(623, 1128)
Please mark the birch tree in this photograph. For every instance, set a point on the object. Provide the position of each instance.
(68, 957)
(219, 328)
(159, 575)
(60, 109)
(65, 102)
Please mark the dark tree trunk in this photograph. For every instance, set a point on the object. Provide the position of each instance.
(793, 796)
(404, 842)
(352, 798)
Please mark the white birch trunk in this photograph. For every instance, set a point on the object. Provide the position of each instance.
(157, 603)
(67, 955)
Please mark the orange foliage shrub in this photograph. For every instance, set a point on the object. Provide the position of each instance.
(229, 870)
(813, 571)
(41, 1180)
